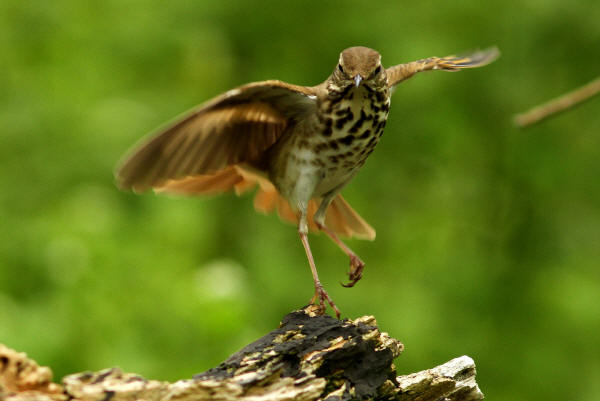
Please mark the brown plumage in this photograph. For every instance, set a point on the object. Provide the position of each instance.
(299, 145)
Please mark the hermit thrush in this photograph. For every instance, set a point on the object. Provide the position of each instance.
(301, 145)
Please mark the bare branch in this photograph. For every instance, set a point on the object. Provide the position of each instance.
(558, 105)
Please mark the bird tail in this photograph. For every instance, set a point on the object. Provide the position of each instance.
(340, 217)
(344, 221)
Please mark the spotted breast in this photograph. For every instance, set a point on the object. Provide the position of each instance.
(352, 123)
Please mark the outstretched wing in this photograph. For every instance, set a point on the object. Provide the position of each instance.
(235, 127)
(400, 72)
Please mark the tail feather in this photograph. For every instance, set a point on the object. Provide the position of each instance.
(265, 201)
(340, 217)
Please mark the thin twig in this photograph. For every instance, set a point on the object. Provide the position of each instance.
(558, 105)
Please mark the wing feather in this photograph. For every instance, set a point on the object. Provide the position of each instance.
(236, 127)
(401, 72)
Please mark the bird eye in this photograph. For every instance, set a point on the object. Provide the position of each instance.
(378, 69)
(340, 68)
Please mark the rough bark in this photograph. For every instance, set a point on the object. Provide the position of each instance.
(308, 357)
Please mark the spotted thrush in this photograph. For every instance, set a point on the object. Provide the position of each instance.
(300, 144)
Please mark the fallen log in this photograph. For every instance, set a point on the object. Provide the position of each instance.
(308, 357)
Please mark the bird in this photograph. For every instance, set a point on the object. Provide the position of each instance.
(299, 145)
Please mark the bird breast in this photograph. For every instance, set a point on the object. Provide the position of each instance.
(321, 154)
(350, 130)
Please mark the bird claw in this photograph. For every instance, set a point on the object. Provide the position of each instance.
(323, 297)
(355, 273)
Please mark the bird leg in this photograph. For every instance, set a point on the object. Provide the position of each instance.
(320, 293)
(356, 264)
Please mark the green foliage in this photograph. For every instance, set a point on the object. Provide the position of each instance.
(488, 237)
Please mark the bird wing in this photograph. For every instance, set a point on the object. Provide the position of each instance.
(235, 127)
(401, 72)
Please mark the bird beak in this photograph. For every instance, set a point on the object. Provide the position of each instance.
(357, 80)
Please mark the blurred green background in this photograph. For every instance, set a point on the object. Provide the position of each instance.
(488, 237)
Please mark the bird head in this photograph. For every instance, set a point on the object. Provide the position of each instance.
(359, 66)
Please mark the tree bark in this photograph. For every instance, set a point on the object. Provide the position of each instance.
(309, 357)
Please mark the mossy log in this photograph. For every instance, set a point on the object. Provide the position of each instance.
(308, 357)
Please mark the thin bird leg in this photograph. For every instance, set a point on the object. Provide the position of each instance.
(320, 292)
(356, 264)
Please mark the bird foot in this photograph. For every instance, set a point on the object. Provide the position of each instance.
(322, 297)
(356, 269)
